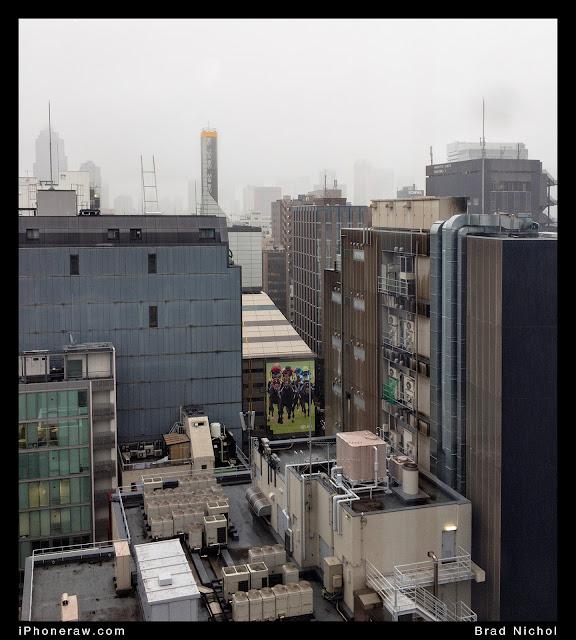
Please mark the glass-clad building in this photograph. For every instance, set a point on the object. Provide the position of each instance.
(66, 446)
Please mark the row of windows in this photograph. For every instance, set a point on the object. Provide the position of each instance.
(52, 463)
(50, 493)
(54, 522)
(63, 433)
(113, 235)
(52, 404)
(510, 185)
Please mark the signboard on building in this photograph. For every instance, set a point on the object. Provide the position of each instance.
(289, 401)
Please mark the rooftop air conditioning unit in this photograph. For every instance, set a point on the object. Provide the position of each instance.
(234, 579)
(396, 466)
(215, 530)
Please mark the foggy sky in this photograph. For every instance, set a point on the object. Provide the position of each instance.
(289, 98)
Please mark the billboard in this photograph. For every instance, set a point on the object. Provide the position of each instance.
(289, 400)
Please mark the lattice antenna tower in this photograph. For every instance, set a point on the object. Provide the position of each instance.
(149, 191)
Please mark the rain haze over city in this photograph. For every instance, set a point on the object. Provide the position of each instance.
(293, 100)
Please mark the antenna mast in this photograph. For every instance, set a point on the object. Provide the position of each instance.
(483, 155)
(50, 144)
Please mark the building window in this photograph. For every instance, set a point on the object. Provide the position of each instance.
(151, 263)
(152, 316)
(135, 234)
(32, 234)
(74, 265)
(113, 234)
(207, 234)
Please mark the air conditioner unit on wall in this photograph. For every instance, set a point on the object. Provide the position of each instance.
(392, 320)
(393, 373)
(409, 385)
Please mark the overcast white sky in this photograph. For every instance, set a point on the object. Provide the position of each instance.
(290, 98)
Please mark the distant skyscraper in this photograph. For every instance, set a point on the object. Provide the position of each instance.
(371, 183)
(458, 151)
(95, 183)
(41, 168)
(248, 198)
(124, 204)
(263, 198)
(209, 159)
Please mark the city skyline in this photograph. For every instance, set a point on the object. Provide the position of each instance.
(342, 94)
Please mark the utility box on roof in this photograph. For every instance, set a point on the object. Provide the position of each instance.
(166, 585)
(362, 455)
(178, 446)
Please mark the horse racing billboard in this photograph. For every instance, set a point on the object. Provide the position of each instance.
(289, 399)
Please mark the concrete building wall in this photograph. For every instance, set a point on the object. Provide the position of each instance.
(385, 538)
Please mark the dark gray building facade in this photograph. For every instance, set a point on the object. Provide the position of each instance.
(509, 186)
(160, 289)
(512, 423)
(493, 406)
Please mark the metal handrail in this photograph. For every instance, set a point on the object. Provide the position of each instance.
(407, 592)
(449, 570)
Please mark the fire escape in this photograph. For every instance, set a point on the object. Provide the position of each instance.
(406, 590)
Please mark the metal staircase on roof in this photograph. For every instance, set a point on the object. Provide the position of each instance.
(405, 591)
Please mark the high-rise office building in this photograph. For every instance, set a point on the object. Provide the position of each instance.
(50, 156)
(160, 289)
(506, 186)
(245, 243)
(66, 445)
(494, 402)
(377, 321)
(95, 183)
(447, 334)
(124, 205)
(316, 239)
(274, 282)
(459, 151)
(209, 164)
(371, 183)
(263, 198)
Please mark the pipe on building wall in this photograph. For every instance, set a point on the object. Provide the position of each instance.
(448, 336)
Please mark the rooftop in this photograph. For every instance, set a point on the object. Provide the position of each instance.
(89, 573)
(266, 333)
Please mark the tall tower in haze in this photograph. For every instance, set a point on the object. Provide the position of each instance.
(44, 148)
(209, 158)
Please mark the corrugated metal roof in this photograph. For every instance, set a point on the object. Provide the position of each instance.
(175, 438)
(266, 333)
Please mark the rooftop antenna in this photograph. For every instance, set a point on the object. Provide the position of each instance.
(483, 154)
(50, 144)
(431, 156)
